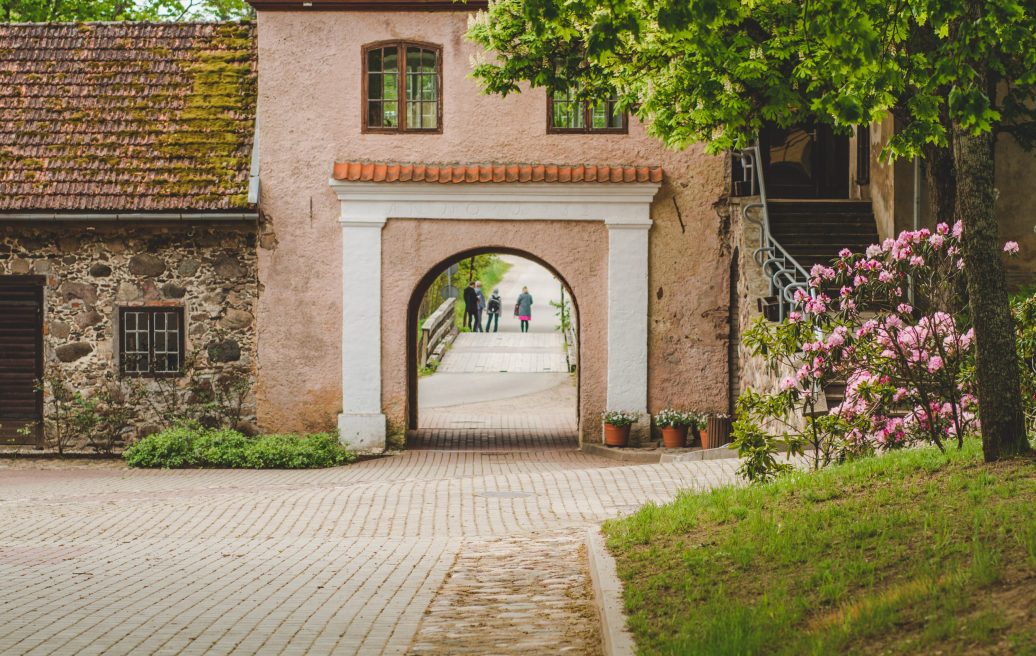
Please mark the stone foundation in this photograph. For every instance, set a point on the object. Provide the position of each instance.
(93, 270)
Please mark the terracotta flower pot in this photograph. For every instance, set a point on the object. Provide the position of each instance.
(616, 435)
(674, 437)
(704, 438)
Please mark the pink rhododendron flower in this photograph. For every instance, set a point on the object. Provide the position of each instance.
(935, 363)
(937, 240)
(904, 308)
(1011, 247)
(788, 383)
(958, 229)
(885, 276)
(845, 252)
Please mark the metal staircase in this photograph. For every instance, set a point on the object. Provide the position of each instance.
(796, 234)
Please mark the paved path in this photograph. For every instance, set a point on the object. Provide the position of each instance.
(522, 353)
(426, 552)
(504, 389)
(543, 287)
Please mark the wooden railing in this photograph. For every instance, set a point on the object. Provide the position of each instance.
(437, 332)
(571, 347)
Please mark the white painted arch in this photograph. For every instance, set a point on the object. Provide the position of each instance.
(625, 208)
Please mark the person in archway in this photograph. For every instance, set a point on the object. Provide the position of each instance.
(470, 305)
(480, 304)
(523, 308)
(493, 311)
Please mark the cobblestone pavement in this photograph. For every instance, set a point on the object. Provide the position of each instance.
(345, 560)
(521, 594)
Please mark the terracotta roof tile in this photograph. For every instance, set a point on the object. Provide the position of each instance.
(457, 173)
(126, 116)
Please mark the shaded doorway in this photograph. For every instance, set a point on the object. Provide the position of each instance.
(807, 161)
(493, 386)
(21, 359)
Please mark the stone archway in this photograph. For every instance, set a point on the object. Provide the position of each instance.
(412, 416)
(594, 234)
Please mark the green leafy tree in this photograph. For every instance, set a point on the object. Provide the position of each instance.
(954, 73)
(50, 11)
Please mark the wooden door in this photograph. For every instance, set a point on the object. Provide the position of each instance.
(808, 161)
(21, 358)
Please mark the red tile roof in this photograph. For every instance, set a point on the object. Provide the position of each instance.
(126, 116)
(455, 173)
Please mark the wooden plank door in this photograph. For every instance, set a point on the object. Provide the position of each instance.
(21, 358)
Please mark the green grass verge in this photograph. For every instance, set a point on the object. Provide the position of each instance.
(191, 447)
(913, 552)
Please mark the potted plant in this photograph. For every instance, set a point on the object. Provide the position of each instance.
(674, 425)
(701, 421)
(617, 426)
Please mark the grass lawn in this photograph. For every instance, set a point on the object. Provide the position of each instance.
(913, 552)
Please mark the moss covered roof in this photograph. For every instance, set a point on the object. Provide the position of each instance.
(126, 116)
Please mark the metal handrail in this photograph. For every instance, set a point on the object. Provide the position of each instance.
(785, 273)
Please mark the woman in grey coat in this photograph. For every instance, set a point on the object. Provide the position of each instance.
(523, 308)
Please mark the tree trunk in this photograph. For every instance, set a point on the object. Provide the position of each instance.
(941, 183)
(999, 388)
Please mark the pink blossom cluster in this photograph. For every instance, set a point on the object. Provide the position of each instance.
(902, 365)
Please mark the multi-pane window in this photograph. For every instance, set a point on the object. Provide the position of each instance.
(402, 87)
(569, 114)
(151, 341)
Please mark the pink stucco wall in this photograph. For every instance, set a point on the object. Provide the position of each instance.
(309, 112)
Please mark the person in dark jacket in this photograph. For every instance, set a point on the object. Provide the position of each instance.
(523, 308)
(470, 306)
(480, 304)
(493, 311)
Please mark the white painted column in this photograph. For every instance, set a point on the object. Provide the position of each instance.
(362, 422)
(628, 319)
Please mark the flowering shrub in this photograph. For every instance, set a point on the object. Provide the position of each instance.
(906, 364)
(620, 418)
(1023, 307)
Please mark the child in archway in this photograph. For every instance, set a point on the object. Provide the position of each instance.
(493, 311)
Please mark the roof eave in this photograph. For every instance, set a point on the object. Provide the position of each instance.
(130, 217)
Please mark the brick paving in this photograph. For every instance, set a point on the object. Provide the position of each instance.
(539, 420)
(346, 560)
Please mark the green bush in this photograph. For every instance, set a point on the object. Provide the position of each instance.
(171, 449)
(294, 452)
(192, 446)
(223, 448)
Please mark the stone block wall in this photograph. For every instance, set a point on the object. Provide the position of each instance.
(93, 270)
(752, 285)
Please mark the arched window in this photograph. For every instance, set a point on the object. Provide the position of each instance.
(402, 87)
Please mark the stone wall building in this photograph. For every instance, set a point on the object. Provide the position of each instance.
(130, 159)
(127, 230)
